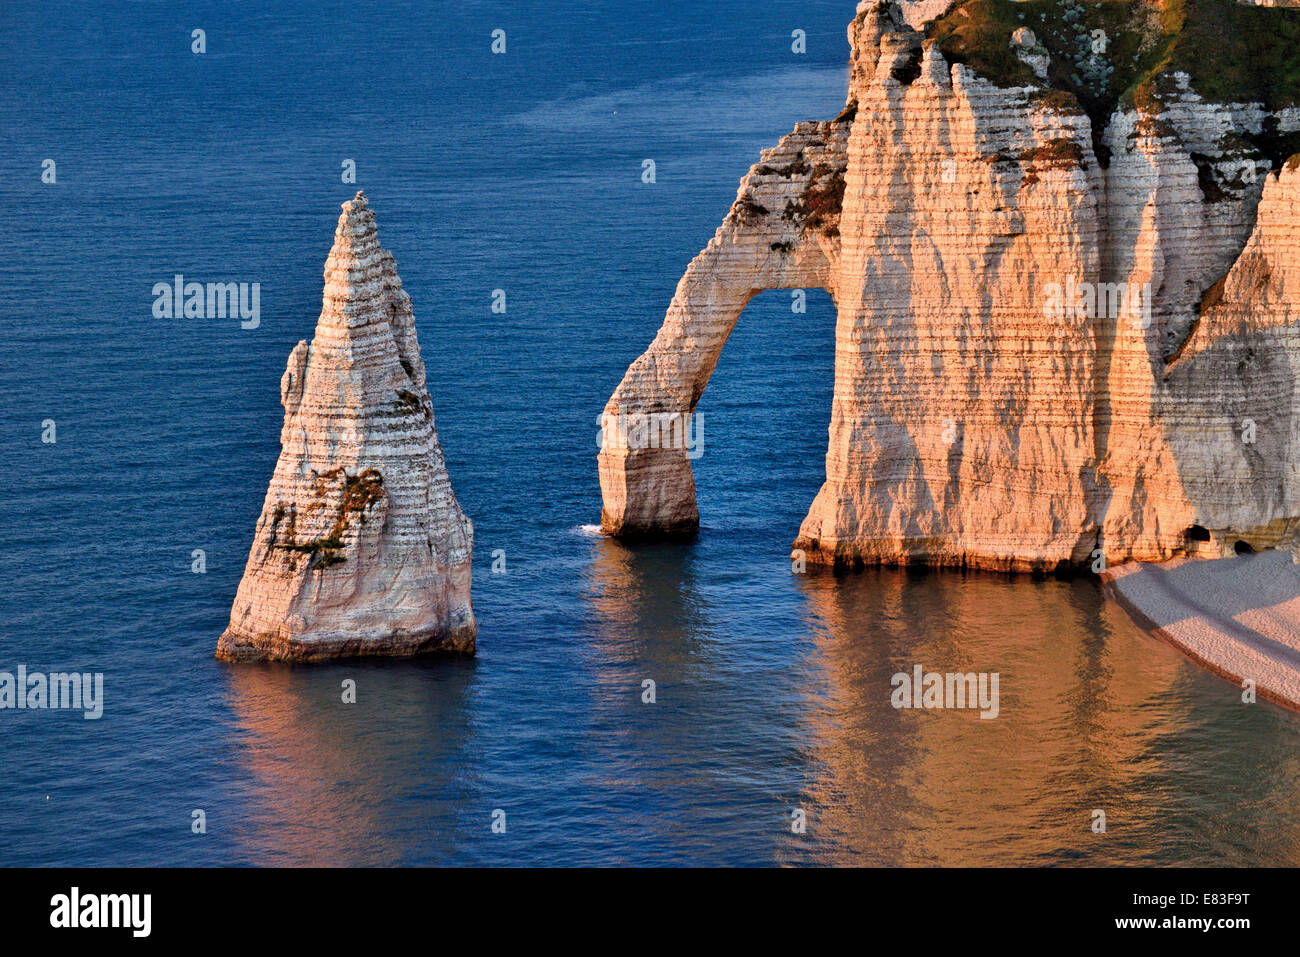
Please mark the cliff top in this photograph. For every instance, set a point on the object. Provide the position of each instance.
(1112, 52)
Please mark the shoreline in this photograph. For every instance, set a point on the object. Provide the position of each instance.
(1238, 618)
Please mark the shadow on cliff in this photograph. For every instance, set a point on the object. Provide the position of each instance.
(1232, 439)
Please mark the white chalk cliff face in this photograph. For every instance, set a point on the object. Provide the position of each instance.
(361, 547)
(985, 412)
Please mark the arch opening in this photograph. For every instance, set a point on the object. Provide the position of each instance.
(767, 413)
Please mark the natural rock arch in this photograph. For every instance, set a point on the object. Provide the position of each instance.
(782, 232)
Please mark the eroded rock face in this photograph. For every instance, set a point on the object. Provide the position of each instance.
(361, 547)
(986, 412)
(959, 415)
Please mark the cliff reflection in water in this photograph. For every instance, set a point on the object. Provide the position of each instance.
(772, 692)
(1094, 715)
(669, 768)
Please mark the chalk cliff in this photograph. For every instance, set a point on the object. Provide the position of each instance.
(1062, 257)
(361, 547)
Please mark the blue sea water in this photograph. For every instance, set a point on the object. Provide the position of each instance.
(519, 172)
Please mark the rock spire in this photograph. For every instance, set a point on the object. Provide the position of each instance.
(361, 547)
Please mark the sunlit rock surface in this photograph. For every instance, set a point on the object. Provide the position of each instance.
(1056, 346)
(361, 547)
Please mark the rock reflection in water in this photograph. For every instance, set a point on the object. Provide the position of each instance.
(1094, 715)
(366, 784)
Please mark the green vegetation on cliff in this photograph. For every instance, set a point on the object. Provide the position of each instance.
(359, 492)
(1108, 53)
